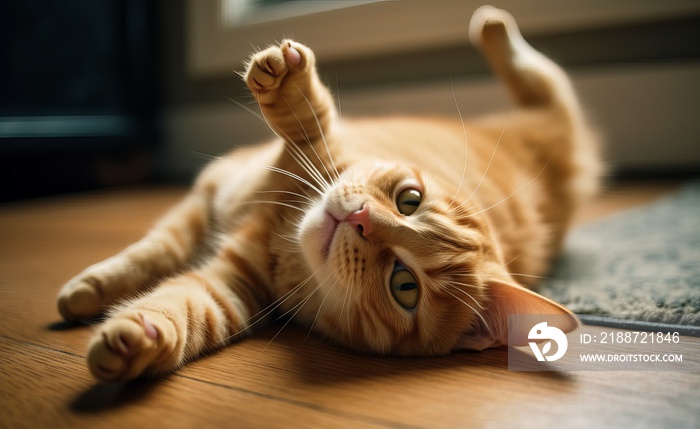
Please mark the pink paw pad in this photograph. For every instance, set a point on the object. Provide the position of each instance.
(148, 328)
(292, 56)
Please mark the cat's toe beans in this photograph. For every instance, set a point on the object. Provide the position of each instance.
(149, 328)
(125, 337)
(272, 63)
(264, 76)
(104, 363)
(269, 67)
(292, 54)
(123, 348)
(266, 70)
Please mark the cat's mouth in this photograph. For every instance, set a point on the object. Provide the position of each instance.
(330, 225)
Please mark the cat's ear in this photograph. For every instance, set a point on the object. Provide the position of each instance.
(509, 298)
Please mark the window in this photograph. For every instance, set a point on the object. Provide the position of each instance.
(237, 13)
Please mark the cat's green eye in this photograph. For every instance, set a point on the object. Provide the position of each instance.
(404, 287)
(408, 201)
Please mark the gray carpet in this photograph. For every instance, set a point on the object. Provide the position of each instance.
(639, 269)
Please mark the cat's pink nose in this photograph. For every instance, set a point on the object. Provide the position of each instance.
(360, 220)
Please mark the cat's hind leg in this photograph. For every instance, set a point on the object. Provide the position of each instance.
(167, 248)
(294, 102)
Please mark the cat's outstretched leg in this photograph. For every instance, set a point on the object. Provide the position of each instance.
(158, 332)
(532, 78)
(129, 343)
(167, 248)
(292, 98)
(185, 316)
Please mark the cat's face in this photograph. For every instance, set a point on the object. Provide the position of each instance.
(400, 264)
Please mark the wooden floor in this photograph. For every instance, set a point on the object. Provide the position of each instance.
(290, 381)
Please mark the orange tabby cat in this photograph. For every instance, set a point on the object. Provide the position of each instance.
(389, 236)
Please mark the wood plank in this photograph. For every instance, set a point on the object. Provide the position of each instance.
(453, 391)
(44, 243)
(40, 387)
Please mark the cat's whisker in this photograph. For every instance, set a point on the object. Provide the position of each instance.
(290, 238)
(298, 308)
(293, 149)
(320, 130)
(487, 275)
(281, 249)
(330, 181)
(514, 258)
(296, 194)
(320, 307)
(531, 276)
(337, 96)
(279, 203)
(346, 302)
(307, 139)
(455, 286)
(295, 177)
(247, 109)
(203, 155)
(493, 155)
(466, 144)
(296, 201)
(296, 222)
(514, 192)
(259, 316)
(295, 308)
(298, 154)
(465, 284)
(296, 217)
(306, 164)
(300, 157)
(483, 320)
(340, 115)
(327, 180)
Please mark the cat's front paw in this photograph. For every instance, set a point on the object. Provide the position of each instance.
(268, 71)
(129, 344)
(85, 295)
(79, 301)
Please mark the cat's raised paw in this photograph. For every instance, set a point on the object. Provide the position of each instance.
(268, 70)
(126, 345)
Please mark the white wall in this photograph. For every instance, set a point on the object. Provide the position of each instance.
(648, 115)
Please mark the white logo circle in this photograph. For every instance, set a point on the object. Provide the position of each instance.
(543, 332)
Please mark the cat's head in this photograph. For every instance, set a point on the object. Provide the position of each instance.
(404, 269)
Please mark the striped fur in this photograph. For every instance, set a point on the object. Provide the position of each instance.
(308, 227)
